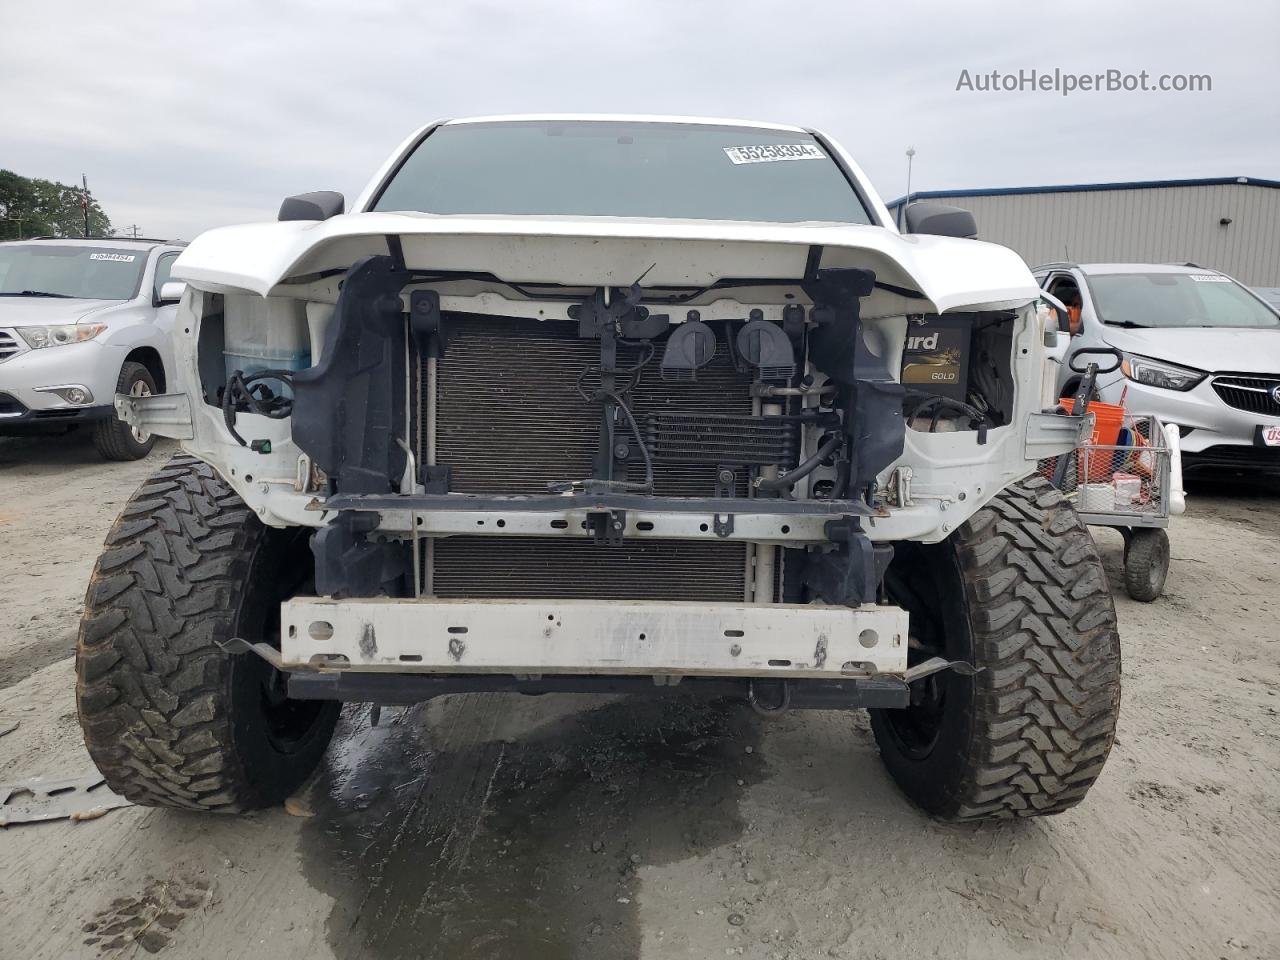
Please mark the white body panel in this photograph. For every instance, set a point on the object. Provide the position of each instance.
(951, 274)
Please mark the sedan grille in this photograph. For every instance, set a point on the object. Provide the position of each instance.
(1256, 394)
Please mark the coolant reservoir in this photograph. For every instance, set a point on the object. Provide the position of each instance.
(265, 333)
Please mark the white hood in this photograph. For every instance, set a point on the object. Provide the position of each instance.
(1214, 350)
(951, 274)
(32, 311)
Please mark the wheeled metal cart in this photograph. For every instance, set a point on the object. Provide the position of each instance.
(1125, 485)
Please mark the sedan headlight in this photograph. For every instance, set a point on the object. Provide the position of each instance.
(1156, 373)
(63, 333)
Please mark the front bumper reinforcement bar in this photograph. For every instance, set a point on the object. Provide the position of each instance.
(546, 637)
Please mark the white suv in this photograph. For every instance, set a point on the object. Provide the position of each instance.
(80, 321)
(1199, 350)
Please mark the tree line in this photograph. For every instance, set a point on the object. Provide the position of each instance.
(30, 207)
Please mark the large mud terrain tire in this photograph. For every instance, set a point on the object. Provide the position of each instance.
(169, 718)
(1019, 592)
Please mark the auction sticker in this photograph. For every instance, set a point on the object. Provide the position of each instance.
(1210, 278)
(118, 257)
(771, 153)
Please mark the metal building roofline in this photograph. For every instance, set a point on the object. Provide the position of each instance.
(1084, 188)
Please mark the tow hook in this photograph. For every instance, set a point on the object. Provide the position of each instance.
(937, 665)
(263, 650)
(777, 699)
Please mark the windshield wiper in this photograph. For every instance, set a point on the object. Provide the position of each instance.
(1129, 324)
(37, 293)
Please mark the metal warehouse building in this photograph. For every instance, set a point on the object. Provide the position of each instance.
(1231, 224)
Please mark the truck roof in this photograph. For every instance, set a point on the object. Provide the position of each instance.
(625, 118)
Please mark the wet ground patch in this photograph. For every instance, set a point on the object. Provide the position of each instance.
(448, 833)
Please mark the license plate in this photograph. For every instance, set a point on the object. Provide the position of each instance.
(1271, 436)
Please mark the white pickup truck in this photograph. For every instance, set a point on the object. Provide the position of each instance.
(652, 405)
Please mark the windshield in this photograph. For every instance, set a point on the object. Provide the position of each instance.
(668, 170)
(93, 273)
(1177, 300)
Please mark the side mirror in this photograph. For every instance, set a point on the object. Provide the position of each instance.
(320, 205)
(940, 220)
(171, 291)
(1062, 319)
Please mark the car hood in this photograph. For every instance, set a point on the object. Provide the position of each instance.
(942, 273)
(1214, 350)
(33, 311)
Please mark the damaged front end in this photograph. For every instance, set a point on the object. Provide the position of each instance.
(530, 473)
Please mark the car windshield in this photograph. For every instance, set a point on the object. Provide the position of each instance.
(51, 270)
(618, 169)
(1177, 300)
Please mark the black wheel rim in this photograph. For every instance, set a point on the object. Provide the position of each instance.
(916, 728)
(287, 723)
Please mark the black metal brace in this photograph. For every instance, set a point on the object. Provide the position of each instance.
(607, 527)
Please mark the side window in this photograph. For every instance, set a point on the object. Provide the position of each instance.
(164, 266)
(1064, 287)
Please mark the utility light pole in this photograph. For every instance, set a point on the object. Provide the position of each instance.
(84, 203)
(911, 155)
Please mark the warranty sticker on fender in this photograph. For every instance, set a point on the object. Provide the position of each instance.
(774, 152)
(117, 257)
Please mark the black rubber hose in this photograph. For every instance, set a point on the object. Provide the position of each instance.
(636, 432)
(791, 478)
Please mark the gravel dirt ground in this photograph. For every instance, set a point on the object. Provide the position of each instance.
(507, 827)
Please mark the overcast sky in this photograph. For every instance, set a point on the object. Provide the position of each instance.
(189, 115)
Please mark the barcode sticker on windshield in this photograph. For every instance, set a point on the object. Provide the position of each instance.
(1210, 278)
(118, 257)
(773, 152)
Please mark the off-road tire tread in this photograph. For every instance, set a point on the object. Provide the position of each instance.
(112, 437)
(152, 686)
(1044, 628)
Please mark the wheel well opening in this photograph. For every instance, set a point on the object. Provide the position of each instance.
(149, 357)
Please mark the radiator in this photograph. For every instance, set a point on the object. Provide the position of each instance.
(575, 568)
(509, 420)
